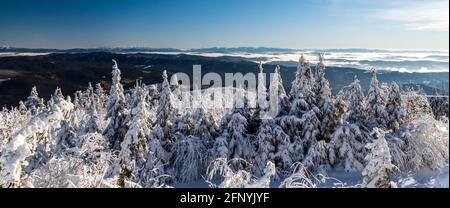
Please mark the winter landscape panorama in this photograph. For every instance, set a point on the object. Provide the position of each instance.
(224, 94)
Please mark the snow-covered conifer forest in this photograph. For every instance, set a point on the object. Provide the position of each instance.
(144, 137)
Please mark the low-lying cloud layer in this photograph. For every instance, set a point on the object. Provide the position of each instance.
(403, 61)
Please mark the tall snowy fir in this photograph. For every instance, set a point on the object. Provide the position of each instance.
(394, 108)
(262, 103)
(304, 99)
(279, 100)
(375, 103)
(34, 102)
(116, 111)
(346, 148)
(304, 80)
(166, 103)
(324, 101)
(134, 147)
(355, 103)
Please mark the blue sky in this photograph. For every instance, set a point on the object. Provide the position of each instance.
(401, 24)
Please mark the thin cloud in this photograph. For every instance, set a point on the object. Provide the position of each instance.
(425, 16)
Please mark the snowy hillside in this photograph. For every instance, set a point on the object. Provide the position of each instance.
(160, 136)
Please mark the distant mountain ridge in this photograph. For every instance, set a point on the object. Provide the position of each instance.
(72, 71)
(201, 50)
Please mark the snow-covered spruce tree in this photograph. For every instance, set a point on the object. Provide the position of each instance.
(278, 97)
(116, 111)
(347, 147)
(300, 106)
(439, 103)
(379, 165)
(291, 125)
(58, 95)
(394, 108)
(273, 145)
(241, 103)
(385, 89)
(34, 103)
(204, 125)
(340, 108)
(219, 148)
(158, 157)
(11, 121)
(298, 74)
(66, 137)
(87, 96)
(444, 104)
(302, 132)
(304, 79)
(188, 158)
(176, 89)
(100, 97)
(376, 111)
(23, 143)
(416, 105)
(137, 92)
(316, 158)
(239, 144)
(307, 84)
(22, 108)
(153, 175)
(92, 125)
(80, 167)
(76, 100)
(310, 129)
(303, 118)
(263, 104)
(355, 103)
(134, 149)
(166, 104)
(324, 101)
(184, 123)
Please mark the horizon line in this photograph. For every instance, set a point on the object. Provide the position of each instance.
(225, 47)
